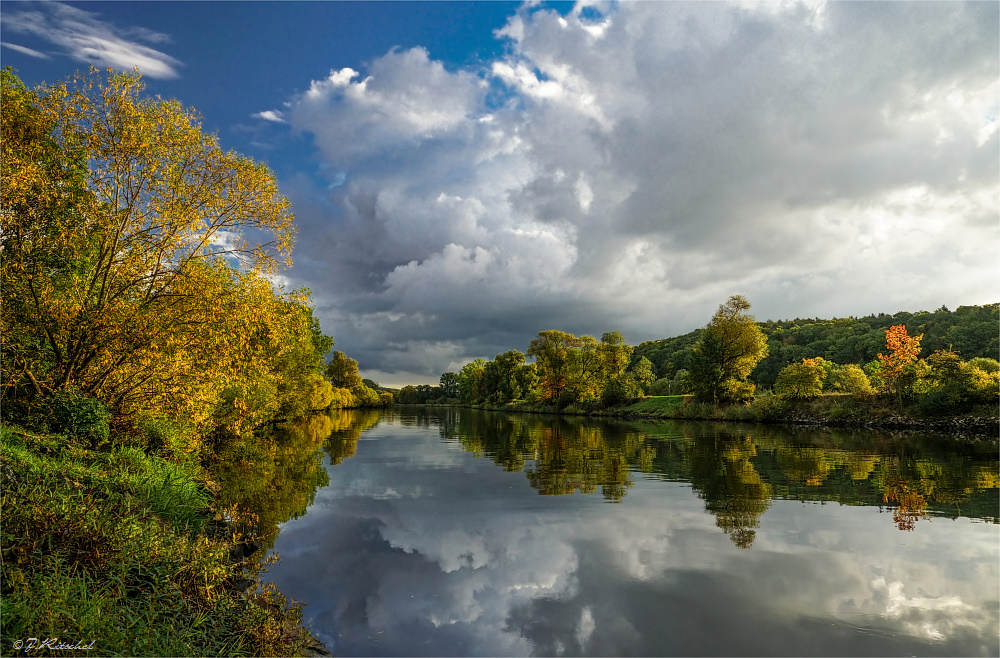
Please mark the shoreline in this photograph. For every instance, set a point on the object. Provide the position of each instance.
(987, 427)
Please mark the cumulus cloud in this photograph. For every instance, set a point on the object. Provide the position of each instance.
(86, 38)
(629, 166)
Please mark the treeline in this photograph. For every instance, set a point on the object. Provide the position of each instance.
(348, 390)
(567, 370)
(971, 331)
(735, 359)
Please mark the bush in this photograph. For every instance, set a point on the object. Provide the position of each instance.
(850, 378)
(800, 381)
(79, 416)
(768, 407)
(945, 401)
(621, 390)
(173, 440)
(660, 387)
(982, 380)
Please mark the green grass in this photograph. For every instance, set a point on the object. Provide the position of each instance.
(115, 546)
(666, 406)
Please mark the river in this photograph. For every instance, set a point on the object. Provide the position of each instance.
(460, 532)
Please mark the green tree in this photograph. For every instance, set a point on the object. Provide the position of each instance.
(801, 381)
(450, 384)
(501, 382)
(729, 348)
(342, 371)
(643, 372)
(850, 378)
(470, 381)
(551, 351)
(615, 354)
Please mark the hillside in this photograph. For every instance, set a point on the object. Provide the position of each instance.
(970, 330)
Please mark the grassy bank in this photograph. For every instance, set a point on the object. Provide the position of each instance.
(123, 549)
(835, 409)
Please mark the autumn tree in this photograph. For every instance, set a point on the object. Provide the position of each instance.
(136, 256)
(896, 367)
(729, 348)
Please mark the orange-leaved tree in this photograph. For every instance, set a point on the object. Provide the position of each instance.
(895, 366)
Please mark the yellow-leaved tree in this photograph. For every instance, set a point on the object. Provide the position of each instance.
(136, 257)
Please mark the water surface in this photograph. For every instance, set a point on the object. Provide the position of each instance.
(458, 532)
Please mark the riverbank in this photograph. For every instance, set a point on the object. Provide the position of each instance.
(125, 552)
(832, 409)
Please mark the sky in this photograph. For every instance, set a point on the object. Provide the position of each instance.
(465, 175)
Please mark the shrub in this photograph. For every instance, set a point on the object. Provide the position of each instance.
(741, 412)
(800, 381)
(660, 387)
(171, 439)
(80, 416)
(945, 401)
(767, 406)
(850, 378)
(982, 380)
(621, 390)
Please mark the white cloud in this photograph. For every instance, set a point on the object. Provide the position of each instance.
(274, 116)
(85, 38)
(631, 168)
(24, 51)
(436, 545)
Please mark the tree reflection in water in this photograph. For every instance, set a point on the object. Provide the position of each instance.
(737, 473)
(733, 490)
(274, 477)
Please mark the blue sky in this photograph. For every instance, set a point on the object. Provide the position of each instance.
(465, 175)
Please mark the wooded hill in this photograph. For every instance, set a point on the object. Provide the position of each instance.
(972, 331)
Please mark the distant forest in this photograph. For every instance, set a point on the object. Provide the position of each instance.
(972, 331)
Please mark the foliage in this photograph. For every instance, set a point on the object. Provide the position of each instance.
(660, 387)
(349, 390)
(801, 380)
(621, 389)
(502, 377)
(850, 378)
(470, 381)
(80, 416)
(903, 352)
(342, 371)
(551, 351)
(135, 261)
(970, 330)
(450, 385)
(643, 372)
(730, 347)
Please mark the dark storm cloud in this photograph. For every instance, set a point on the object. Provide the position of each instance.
(631, 169)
